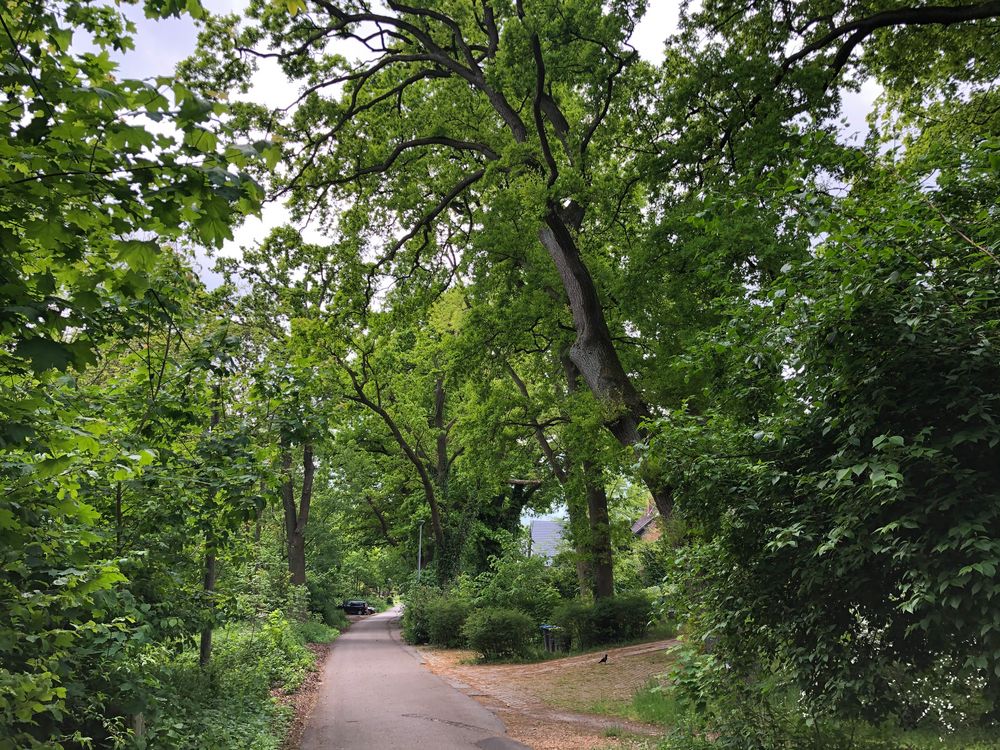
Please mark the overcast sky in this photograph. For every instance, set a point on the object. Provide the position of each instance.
(160, 45)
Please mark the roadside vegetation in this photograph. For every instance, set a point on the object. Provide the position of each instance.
(525, 270)
(500, 613)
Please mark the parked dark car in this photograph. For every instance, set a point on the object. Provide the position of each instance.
(357, 607)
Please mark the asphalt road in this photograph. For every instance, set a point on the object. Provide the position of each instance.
(376, 695)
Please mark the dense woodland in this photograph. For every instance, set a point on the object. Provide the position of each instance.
(525, 270)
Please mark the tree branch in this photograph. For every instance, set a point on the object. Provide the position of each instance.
(424, 221)
(536, 108)
(385, 166)
(381, 520)
(550, 455)
(943, 15)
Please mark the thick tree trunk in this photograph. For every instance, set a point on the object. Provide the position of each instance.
(288, 499)
(302, 519)
(601, 556)
(296, 518)
(663, 495)
(593, 352)
(600, 532)
(297, 558)
(580, 532)
(443, 466)
(259, 515)
(448, 556)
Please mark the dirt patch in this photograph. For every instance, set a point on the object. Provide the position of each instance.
(550, 705)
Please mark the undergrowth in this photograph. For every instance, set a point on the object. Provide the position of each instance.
(229, 704)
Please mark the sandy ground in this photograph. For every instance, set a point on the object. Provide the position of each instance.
(549, 705)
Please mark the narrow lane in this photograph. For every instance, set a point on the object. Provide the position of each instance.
(376, 695)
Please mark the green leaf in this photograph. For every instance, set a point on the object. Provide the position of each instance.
(44, 354)
(51, 466)
(139, 255)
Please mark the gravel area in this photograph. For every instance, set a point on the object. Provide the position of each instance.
(548, 705)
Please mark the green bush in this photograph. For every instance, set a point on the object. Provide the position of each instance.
(420, 601)
(273, 647)
(516, 581)
(324, 602)
(621, 618)
(610, 620)
(334, 616)
(315, 631)
(573, 617)
(445, 620)
(500, 633)
(229, 703)
(705, 697)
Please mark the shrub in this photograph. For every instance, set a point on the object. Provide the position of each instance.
(516, 581)
(229, 703)
(445, 620)
(573, 617)
(621, 618)
(610, 620)
(315, 631)
(324, 602)
(274, 648)
(335, 617)
(500, 633)
(420, 601)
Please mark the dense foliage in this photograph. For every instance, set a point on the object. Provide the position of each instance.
(611, 620)
(529, 271)
(500, 633)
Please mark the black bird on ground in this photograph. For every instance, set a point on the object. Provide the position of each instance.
(604, 659)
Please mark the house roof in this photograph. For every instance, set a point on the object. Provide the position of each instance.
(647, 518)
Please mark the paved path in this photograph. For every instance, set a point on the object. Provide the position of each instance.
(376, 696)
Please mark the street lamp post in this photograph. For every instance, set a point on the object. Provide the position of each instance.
(420, 550)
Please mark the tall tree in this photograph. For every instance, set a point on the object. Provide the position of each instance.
(277, 285)
(446, 89)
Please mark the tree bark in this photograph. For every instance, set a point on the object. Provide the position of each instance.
(599, 546)
(208, 585)
(443, 467)
(296, 518)
(663, 494)
(580, 532)
(600, 532)
(593, 352)
(208, 582)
